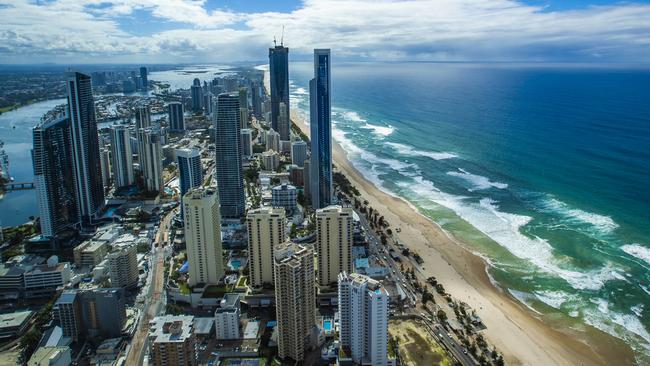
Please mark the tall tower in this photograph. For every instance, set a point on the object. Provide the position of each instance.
(203, 236)
(176, 117)
(122, 156)
(243, 106)
(279, 71)
(142, 116)
(228, 156)
(295, 298)
(87, 168)
(266, 230)
(363, 312)
(190, 172)
(197, 95)
(334, 235)
(55, 186)
(150, 155)
(321, 131)
(143, 78)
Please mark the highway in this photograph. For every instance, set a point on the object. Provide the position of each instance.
(154, 294)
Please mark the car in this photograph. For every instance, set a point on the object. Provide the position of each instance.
(464, 351)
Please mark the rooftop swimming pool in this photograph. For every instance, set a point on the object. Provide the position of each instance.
(327, 325)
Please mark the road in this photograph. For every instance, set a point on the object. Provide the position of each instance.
(154, 300)
(436, 329)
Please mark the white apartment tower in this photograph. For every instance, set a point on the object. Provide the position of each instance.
(122, 156)
(295, 299)
(266, 230)
(203, 235)
(334, 234)
(363, 313)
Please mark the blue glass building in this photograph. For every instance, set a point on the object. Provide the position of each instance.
(321, 131)
(279, 72)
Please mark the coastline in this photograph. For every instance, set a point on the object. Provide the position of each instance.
(517, 332)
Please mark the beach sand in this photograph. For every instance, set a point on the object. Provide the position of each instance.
(516, 331)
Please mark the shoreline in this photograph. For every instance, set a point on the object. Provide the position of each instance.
(518, 332)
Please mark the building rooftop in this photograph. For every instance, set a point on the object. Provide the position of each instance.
(12, 320)
(203, 326)
(44, 355)
(171, 328)
(66, 297)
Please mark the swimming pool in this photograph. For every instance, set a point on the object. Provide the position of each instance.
(327, 325)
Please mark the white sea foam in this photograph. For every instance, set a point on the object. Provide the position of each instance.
(379, 130)
(638, 251)
(478, 182)
(604, 224)
(409, 151)
(301, 91)
(637, 309)
(504, 228)
(554, 299)
(524, 298)
(617, 324)
(352, 116)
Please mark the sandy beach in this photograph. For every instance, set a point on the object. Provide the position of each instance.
(516, 331)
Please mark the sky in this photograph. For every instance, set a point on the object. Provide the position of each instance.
(197, 31)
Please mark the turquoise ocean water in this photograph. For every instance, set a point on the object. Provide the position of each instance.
(542, 169)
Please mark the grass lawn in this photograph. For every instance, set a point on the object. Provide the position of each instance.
(217, 290)
(185, 290)
(416, 346)
(241, 282)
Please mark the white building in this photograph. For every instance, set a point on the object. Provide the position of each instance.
(46, 278)
(272, 140)
(203, 236)
(334, 235)
(284, 195)
(270, 160)
(123, 266)
(51, 356)
(122, 157)
(150, 155)
(298, 153)
(363, 319)
(266, 229)
(227, 318)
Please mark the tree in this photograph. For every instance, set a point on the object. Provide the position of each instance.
(442, 316)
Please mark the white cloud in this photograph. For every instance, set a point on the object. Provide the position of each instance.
(90, 30)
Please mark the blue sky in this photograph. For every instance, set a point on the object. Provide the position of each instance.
(159, 31)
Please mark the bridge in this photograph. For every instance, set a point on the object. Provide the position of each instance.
(18, 186)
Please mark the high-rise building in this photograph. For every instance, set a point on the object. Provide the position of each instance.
(190, 171)
(363, 319)
(122, 156)
(295, 299)
(208, 102)
(246, 142)
(172, 341)
(256, 99)
(228, 156)
(143, 78)
(142, 116)
(273, 140)
(306, 180)
(103, 311)
(203, 236)
(321, 131)
(284, 123)
(105, 159)
(298, 153)
(227, 318)
(55, 186)
(87, 168)
(243, 106)
(176, 117)
(270, 160)
(150, 156)
(284, 195)
(266, 230)
(196, 91)
(67, 314)
(90, 253)
(123, 266)
(279, 72)
(334, 234)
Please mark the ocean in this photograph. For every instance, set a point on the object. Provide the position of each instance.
(542, 169)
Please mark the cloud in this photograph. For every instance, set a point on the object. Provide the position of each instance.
(477, 30)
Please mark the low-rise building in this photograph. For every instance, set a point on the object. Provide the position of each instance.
(14, 324)
(227, 318)
(51, 356)
(89, 253)
(123, 266)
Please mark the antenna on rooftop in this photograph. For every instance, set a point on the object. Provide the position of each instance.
(282, 38)
(274, 42)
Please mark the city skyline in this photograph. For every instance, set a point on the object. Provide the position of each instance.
(124, 31)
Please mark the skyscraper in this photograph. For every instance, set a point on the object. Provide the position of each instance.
(150, 155)
(279, 72)
(67, 314)
(87, 168)
(256, 99)
(266, 229)
(105, 158)
(196, 91)
(203, 236)
(55, 186)
(363, 314)
(295, 299)
(298, 153)
(207, 102)
(142, 116)
(334, 234)
(122, 156)
(243, 107)
(190, 172)
(228, 156)
(246, 142)
(176, 117)
(321, 131)
(143, 78)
